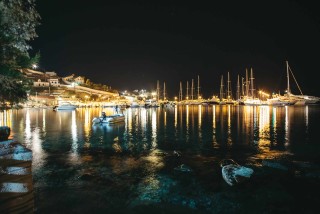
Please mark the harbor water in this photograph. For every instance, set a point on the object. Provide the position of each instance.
(166, 159)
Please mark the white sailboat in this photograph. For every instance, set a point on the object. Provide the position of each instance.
(229, 98)
(300, 99)
(251, 100)
(199, 99)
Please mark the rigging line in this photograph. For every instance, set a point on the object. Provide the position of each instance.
(295, 80)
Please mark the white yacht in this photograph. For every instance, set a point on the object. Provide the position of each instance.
(278, 100)
(65, 106)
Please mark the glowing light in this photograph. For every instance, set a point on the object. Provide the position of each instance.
(175, 116)
(154, 129)
(264, 93)
(74, 132)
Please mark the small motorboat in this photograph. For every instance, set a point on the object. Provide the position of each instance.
(115, 118)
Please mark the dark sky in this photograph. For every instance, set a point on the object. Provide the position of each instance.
(132, 44)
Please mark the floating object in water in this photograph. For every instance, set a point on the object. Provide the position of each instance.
(183, 168)
(111, 119)
(176, 153)
(234, 173)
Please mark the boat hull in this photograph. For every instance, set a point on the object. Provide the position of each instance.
(116, 118)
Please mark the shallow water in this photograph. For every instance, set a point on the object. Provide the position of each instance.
(79, 167)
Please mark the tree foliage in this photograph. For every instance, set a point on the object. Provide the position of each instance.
(18, 22)
(11, 91)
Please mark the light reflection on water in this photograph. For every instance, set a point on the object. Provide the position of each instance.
(154, 128)
(66, 146)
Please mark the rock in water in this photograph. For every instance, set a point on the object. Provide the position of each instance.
(183, 168)
(234, 173)
(4, 132)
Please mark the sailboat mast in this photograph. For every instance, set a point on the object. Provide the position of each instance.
(247, 83)
(187, 97)
(158, 90)
(288, 83)
(180, 92)
(242, 86)
(251, 78)
(164, 91)
(238, 88)
(221, 88)
(228, 88)
(198, 87)
(192, 89)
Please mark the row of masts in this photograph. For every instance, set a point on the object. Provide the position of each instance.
(191, 90)
(245, 93)
(158, 91)
(246, 89)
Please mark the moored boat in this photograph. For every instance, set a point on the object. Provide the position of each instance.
(278, 100)
(65, 106)
(300, 99)
(115, 118)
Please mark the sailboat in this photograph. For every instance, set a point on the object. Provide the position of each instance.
(251, 100)
(229, 99)
(198, 100)
(222, 99)
(300, 99)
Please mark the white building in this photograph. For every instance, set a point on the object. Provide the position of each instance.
(54, 82)
(39, 83)
(79, 80)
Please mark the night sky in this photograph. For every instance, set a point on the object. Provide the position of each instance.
(132, 44)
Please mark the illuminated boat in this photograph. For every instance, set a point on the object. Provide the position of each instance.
(278, 100)
(65, 106)
(110, 119)
(300, 99)
(249, 101)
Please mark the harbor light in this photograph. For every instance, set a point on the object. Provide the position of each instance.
(34, 66)
(262, 93)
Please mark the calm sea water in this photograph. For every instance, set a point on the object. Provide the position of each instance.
(79, 167)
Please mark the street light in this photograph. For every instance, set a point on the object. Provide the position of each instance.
(34, 66)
